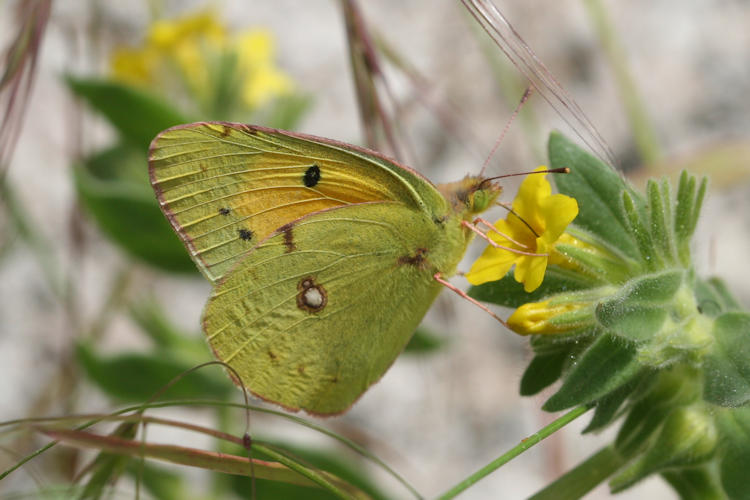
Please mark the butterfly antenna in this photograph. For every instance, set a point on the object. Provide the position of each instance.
(561, 170)
(524, 98)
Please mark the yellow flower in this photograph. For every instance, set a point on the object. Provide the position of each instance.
(536, 224)
(262, 80)
(191, 52)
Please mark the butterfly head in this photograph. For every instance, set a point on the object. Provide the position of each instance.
(471, 195)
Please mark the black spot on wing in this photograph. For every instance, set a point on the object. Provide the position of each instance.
(225, 210)
(312, 176)
(245, 234)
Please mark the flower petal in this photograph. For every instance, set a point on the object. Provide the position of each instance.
(492, 265)
(558, 211)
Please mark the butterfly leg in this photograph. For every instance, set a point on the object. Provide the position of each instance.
(484, 236)
(439, 279)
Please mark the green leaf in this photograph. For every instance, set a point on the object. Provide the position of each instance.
(542, 372)
(150, 316)
(137, 377)
(636, 312)
(605, 366)
(508, 292)
(125, 208)
(714, 298)
(138, 116)
(161, 482)
(286, 111)
(727, 366)
(734, 429)
(424, 342)
(607, 408)
(597, 188)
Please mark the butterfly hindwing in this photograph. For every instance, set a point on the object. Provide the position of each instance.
(225, 187)
(319, 310)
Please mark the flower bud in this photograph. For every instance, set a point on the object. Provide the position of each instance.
(687, 438)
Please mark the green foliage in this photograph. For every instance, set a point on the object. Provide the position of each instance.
(137, 377)
(136, 115)
(727, 366)
(629, 329)
(117, 196)
(331, 461)
(604, 367)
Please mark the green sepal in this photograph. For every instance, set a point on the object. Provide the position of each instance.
(734, 429)
(605, 366)
(509, 293)
(597, 188)
(669, 388)
(727, 365)
(600, 268)
(696, 483)
(137, 377)
(636, 224)
(137, 115)
(688, 437)
(113, 187)
(660, 215)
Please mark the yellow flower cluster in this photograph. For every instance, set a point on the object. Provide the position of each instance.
(193, 48)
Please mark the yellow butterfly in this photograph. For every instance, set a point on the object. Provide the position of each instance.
(323, 255)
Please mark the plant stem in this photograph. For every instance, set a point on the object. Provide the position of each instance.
(584, 477)
(524, 445)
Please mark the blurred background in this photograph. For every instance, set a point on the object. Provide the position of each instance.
(101, 306)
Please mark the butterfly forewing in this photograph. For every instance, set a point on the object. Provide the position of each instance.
(225, 187)
(318, 312)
